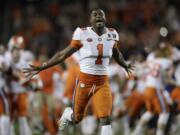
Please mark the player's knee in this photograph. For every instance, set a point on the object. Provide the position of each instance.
(105, 120)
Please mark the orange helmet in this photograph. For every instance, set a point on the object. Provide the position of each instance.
(16, 41)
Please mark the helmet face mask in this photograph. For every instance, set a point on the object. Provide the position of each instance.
(15, 52)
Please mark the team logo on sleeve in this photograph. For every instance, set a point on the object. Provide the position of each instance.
(89, 39)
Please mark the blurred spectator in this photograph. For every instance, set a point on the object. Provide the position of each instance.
(49, 24)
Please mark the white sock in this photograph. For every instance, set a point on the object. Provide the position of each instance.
(139, 130)
(69, 113)
(143, 121)
(88, 125)
(126, 125)
(5, 125)
(106, 130)
(160, 131)
(12, 129)
(23, 126)
(162, 122)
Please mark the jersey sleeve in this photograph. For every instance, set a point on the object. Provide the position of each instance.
(116, 36)
(76, 39)
(175, 54)
(116, 39)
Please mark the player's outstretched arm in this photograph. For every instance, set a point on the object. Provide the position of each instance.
(117, 55)
(60, 57)
(56, 59)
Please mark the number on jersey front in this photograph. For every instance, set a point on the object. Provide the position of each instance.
(100, 54)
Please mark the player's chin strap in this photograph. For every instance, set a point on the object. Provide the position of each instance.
(92, 90)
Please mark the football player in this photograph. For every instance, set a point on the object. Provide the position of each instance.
(95, 44)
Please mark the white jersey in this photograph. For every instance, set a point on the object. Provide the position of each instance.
(16, 86)
(175, 54)
(140, 72)
(25, 55)
(177, 74)
(96, 51)
(8, 57)
(2, 63)
(156, 66)
(115, 70)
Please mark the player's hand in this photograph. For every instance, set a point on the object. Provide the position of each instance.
(32, 71)
(129, 68)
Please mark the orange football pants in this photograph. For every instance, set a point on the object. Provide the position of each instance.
(134, 103)
(155, 102)
(176, 97)
(4, 103)
(19, 104)
(95, 87)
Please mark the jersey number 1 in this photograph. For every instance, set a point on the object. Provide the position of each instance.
(100, 54)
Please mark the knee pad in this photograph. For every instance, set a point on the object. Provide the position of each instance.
(105, 120)
(146, 117)
(162, 120)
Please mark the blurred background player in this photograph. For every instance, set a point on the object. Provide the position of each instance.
(156, 104)
(18, 94)
(46, 98)
(133, 94)
(4, 103)
(19, 42)
(17, 59)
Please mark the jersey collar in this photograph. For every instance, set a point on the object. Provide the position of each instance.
(97, 34)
